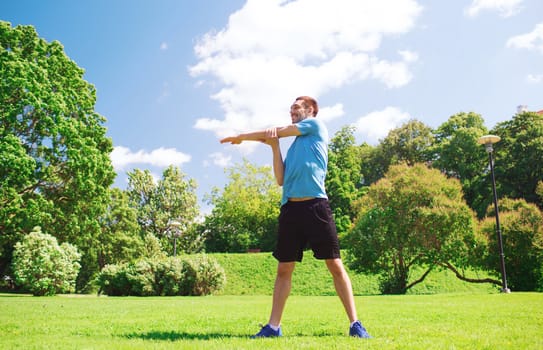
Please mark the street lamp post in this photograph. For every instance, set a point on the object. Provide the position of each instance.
(175, 233)
(488, 141)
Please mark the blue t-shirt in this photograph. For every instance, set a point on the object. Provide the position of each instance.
(306, 162)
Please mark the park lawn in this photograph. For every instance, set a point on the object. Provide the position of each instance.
(439, 321)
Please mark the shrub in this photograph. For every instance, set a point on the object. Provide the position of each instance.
(43, 267)
(174, 277)
(141, 277)
(210, 276)
(112, 280)
(198, 275)
(522, 234)
(167, 276)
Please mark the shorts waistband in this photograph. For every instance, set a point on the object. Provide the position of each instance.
(305, 202)
(304, 199)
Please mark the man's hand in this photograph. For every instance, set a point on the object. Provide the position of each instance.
(234, 140)
(271, 137)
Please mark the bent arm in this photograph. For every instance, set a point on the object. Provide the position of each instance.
(278, 165)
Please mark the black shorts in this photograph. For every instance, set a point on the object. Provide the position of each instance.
(308, 223)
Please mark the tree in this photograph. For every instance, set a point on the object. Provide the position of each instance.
(522, 232)
(120, 239)
(141, 194)
(343, 180)
(414, 216)
(43, 267)
(245, 212)
(375, 161)
(457, 154)
(519, 156)
(54, 154)
(166, 208)
(409, 144)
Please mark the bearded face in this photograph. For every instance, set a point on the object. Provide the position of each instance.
(298, 112)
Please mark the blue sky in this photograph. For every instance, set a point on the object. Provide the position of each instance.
(173, 77)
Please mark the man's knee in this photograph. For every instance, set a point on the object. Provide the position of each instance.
(335, 266)
(284, 270)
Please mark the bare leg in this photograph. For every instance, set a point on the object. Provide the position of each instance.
(343, 286)
(281, 291)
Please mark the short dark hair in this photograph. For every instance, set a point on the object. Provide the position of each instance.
(309, 102)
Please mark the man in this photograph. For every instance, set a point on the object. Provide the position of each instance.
(305, 217)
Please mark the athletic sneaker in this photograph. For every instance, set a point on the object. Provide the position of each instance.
(357, 330)
(267, 332)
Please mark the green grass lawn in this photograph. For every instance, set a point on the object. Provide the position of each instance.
(441, 313)
(440, 321)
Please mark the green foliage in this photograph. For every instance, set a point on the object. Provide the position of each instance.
(55, 168)
(408, 144)
(414, 216)
(167, 208)
(113, 280)
(245, 212)
(456, 151)
(457, 154)
(189, 275)
(519, 157)
(152, 247)
(120, 239)
(374, 164)
(539, 190)
(43, 267)
(343, 184)
(169, 276)
(209, 276)
(522, 234)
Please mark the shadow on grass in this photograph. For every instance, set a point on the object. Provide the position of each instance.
(174, 336)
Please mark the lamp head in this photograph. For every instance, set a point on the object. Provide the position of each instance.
(488, 141)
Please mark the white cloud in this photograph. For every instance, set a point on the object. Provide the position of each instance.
(329, 113)
(506, 8)
(121, 157)
(219, 159)
(272, 51)
(531, 41)
(534, 78)
(409, 56)
(376, 125)
(164, 46)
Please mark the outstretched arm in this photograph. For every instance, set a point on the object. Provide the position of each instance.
(262, 135)
(250, 136)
